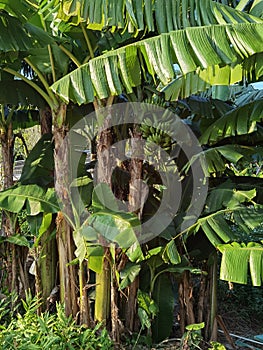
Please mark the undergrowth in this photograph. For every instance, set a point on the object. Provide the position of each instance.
(24, 329)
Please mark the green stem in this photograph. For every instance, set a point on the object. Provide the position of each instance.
(81, 289)
(49, 50)
(102, 301)
(137, 339)
(213, 296)
(70, 55)
(87, 41)
(43, 81)
(52, 63)
(53, 104)
(152, 279)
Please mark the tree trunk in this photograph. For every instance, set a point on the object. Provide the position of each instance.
(7, 147)
(199, 303)
(11, 264)
(213, 299)
(47, 265)
(186, 298)
(67, 272)
(47, 260)
(135, 206)
(103, 289)
(85, 316)
(46, 121)
(104, 170)
(66, 247)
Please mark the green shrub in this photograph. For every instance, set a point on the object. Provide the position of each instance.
(29, 331)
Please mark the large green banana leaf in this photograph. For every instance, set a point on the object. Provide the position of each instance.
(228, 207)
(230, 216)
(32, 198)
(219, 158)
(141, 15)
(17, 8)
(237, 258)
(255, 7)
(240, 121)
(17, 38)
(16, 92)
(203, 79)
(39, 165)
(191, 49)
(25, 118)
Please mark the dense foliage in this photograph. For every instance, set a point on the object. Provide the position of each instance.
(24, 328)
(194, 59)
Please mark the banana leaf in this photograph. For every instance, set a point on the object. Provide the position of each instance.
(141, 15)
(240, 121)
(39, 165)
(32, 198)
(17, 38)
(17, 92)
(193, 49)
(237, 258)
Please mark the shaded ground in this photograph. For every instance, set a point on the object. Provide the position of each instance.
(241, 308)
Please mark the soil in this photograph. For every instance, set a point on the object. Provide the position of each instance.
(241, 309)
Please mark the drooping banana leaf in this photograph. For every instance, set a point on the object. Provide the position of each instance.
(21, 118)
(257, 8)
(202, 79)
(110, 224)
(254, 7)
(13, 38)
(218, 158)
(164, 297)
(140, 15)
(17, 92)
(17, 8)
(17, 38)
(207, 107)
(247, 95)
(109, 227)
(192, 49)
(237, 258)
(40, 58)
(227, 207)
(241, 121)
(32, 198)
(39, 165)
(228, 195)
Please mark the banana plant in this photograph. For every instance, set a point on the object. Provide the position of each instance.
(17, 111)
(211, 43)
(34, 23)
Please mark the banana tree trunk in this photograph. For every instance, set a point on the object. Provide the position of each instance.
(7, 150)
(213, 300)
(103, 289)
(46, 121)
(135, 195)
(186, 299)
(46, 278)
(67, 272)
(199, 304)
(103, 279)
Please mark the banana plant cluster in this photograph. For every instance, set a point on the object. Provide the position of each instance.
(176, 49)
